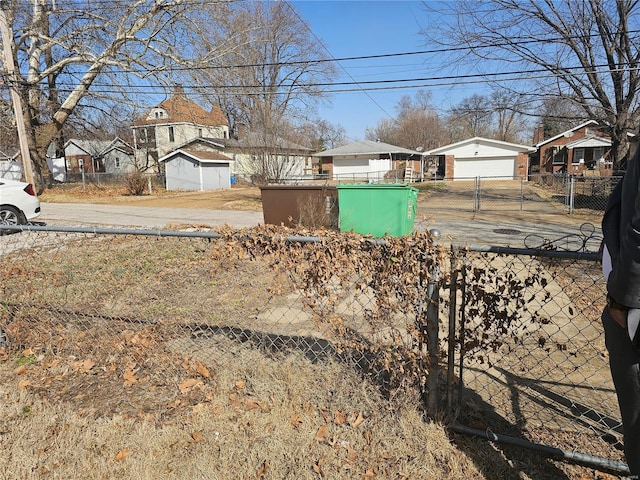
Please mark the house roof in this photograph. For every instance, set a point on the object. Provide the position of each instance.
(365, 147)
(199, 156)
(566, 133)
(589, 142)
(487, 141)
(253, 140)
(98, 148)
(180, 109)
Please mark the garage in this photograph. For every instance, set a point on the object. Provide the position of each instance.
(483, 157)
(484, 167)
(193, 170)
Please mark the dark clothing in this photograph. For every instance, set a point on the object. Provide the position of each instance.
(621, 231)
(624, 361)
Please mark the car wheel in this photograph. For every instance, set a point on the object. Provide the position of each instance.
(10, 216)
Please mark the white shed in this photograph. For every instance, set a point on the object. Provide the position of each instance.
(483, 157)
(195, 170)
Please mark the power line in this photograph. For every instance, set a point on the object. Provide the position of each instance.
(372, 85)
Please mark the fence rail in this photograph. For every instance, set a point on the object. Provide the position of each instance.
(506, 340)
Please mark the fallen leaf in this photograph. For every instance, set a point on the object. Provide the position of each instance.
(129, 377)
(189, 384)
(262, 471)
(122, 454)
(202, 370)
(251, 404)
(22, 384)
(323, 434)
(83, 366)
(21, 370)
(357, 421)
(339, 418)
(197, 437)
(296, 420)
(240, 384)
(233, 401)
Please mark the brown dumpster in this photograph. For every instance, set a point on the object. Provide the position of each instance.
(311, 206)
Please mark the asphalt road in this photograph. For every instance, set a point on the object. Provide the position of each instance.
(565, 234)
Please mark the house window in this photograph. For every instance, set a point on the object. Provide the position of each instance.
(578, 156)
(117, 162)
(200, 132)
(598, 154)
(558, 156)
(171, 135)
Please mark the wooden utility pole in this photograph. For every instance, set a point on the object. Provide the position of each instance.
(13, 81)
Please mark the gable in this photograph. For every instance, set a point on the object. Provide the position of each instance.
(481, 147)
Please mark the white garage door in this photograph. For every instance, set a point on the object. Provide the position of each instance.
(466, 168)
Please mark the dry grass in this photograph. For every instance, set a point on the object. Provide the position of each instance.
(264, 418)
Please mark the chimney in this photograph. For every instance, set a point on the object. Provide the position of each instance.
(538, 134)
(241, 131)
(178, 90)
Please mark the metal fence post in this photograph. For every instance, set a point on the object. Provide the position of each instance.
(476, 195)
(572, 192)
(451, 351)
(432, 331)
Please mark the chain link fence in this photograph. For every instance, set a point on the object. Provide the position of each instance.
(578, 194)
(542, 194)
(506, 340)
(531, 361)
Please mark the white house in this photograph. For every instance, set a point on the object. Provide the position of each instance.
(251, 153)
(197, 170)
(480, 157)
(365, 160)
(172, 123)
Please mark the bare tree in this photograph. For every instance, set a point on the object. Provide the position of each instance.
(318, 135)
(585, 51)
(509, 121)
(269, 76)
(557, 115)
(417, 124)
(73, 54)
(472, 117)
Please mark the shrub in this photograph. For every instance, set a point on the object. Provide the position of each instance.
(135, 183)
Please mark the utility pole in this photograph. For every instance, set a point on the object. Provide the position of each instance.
(13, 81)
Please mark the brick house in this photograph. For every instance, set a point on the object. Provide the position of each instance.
(583, 150)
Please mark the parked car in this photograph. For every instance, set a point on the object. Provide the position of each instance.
(19, 203)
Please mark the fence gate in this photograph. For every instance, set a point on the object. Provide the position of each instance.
(530, 361)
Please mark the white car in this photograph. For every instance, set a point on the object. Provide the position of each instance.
(19, 203)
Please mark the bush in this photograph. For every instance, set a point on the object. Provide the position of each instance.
(135, 183)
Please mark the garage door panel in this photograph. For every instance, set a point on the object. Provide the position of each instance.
(484, 167)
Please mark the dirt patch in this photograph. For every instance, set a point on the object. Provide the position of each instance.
(236, 198)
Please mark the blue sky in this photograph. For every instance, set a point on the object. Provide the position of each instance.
(352, 28)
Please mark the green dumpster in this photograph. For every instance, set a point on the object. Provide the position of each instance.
(380, 209)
